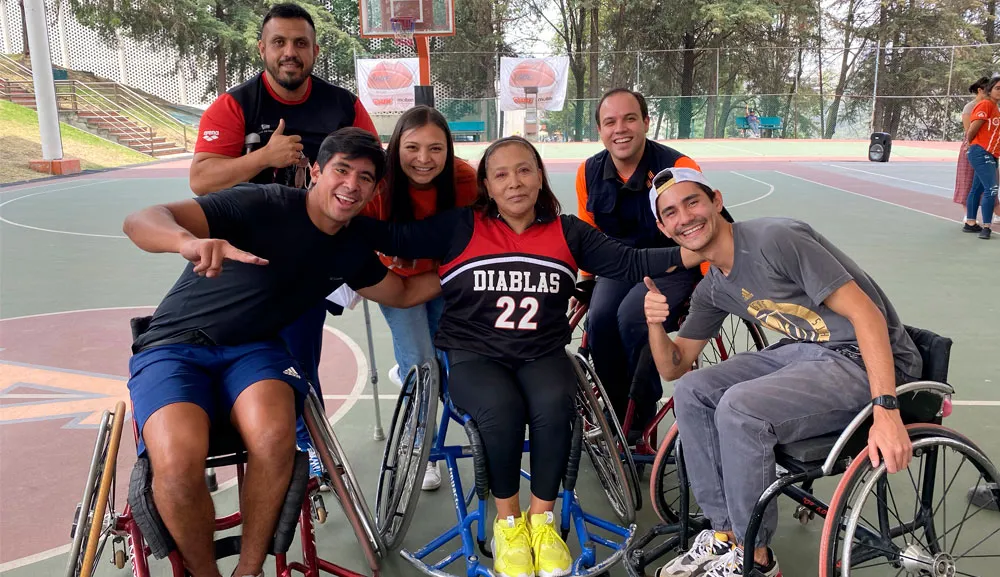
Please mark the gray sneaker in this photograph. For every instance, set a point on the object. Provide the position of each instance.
(708, 546)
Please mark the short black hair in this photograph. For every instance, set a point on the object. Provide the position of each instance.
(643, 108)
(992, 82)
(289, 11)
(353, 143)
(979, 85)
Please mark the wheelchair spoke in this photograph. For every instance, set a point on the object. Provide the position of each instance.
(983, 540)
(965, 517)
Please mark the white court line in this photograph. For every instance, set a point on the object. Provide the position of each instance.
(743, 150)
(12, 223)
(767, 194)
(866, 196)
(887, 176)
(351, 399)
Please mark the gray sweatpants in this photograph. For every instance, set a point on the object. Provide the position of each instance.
(731, 415)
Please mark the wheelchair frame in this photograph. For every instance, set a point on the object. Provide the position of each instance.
(680, 525)
(90, 537)
(572, 514)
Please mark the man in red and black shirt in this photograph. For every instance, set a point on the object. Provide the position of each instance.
(268, 130)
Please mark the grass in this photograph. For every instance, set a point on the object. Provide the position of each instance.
(20, 142)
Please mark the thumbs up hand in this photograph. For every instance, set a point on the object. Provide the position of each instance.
(283, 150)
(656, 308)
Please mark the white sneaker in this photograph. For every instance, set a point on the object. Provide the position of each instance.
(394, 376)
(432, 477)
(731, 565)
(707, 548)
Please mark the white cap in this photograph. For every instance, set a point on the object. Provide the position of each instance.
(669, 177)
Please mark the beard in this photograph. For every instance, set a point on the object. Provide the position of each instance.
(289, 80)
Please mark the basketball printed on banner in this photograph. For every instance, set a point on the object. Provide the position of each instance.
(387, 85)
(546, 75)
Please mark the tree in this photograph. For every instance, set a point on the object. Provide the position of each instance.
(214, 34)
(570, 26)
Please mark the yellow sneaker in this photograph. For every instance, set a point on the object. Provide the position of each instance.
(512, 548)
(552, 558)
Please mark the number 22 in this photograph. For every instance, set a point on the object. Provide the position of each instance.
(527, 321)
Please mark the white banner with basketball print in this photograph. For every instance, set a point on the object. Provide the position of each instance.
(548, 75)
(387, 85)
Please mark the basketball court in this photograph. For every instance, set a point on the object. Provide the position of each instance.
(72, 281)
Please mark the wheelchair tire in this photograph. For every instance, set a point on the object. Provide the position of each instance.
(406, 452)
(96, 517)
(345, 485)
(868, 512)
(605, 443)
(666, 488)
(737, 335)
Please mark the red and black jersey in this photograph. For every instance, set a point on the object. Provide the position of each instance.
(507, 294)
(243, 119)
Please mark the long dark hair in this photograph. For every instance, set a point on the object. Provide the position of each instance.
(400, 204)
(547, 205)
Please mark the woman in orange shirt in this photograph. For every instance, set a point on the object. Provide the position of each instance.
(984, 147)
(423, 178)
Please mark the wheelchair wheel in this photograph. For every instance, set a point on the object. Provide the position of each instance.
(917, 521)
(736, 336)
(345, 484)
(666, 486)
(605, 443)
(95, 516)
(406, 453)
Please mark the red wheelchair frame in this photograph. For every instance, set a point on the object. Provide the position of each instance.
(90, 537)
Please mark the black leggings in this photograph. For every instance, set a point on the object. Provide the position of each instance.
(501, 396)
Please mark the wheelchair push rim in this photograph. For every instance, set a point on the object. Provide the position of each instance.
(606, 445)
(406, 452)
(96, 518)
(737, 335)
(345, 484)
(873, 512)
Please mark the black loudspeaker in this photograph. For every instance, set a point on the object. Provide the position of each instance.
(880, 147)
(423, 95)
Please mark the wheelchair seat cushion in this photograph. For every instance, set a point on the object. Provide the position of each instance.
(935, 351)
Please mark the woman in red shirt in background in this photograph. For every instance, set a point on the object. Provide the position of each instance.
(983, 137)
(423, 178)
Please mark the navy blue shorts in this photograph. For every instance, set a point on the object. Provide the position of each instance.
(211, 377)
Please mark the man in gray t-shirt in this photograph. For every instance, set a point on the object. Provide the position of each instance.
(844, 346)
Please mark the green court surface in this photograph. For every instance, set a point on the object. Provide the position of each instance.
(61, 249)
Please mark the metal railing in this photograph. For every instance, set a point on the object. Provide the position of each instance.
(108, 97)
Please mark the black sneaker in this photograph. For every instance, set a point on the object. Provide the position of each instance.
(984, 234)
(971, 227)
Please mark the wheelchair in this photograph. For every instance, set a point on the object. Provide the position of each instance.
(735, 336)
(869, 529)
(138, 531)
(409, 448)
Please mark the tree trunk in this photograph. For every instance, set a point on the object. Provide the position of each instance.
(831, 118)
(581, 94)
(221, 78)
(595, 80)
(687, 87)
(991, 21)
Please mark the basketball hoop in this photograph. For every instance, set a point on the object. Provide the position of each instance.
(403, 28)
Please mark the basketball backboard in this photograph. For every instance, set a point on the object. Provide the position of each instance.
(429, 17)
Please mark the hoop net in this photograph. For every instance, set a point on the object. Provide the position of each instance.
(403, 28)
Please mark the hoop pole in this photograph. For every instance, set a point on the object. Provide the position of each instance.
(424, 55)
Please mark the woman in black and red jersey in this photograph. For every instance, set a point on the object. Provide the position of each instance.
(508, 268)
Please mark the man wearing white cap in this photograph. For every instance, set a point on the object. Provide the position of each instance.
(845, 347)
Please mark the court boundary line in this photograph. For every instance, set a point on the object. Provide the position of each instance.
(890, 177)
(767, 194)
(944, 218)
(67, 232)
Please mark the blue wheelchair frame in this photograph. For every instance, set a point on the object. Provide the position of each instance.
(572, 514)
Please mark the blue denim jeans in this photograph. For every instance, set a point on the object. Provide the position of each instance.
(413, 331)
(984, 184)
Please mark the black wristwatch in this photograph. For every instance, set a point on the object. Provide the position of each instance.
(889, 402)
